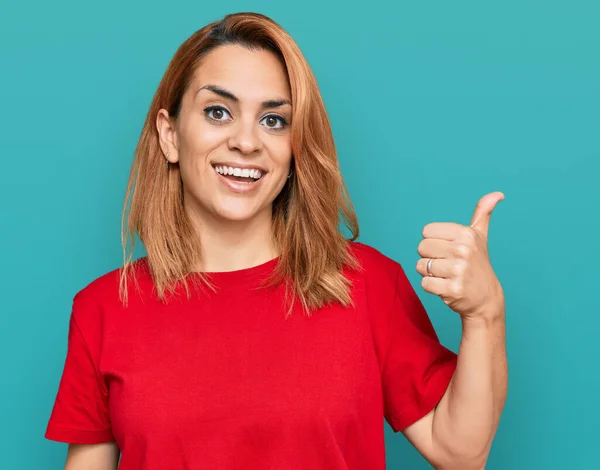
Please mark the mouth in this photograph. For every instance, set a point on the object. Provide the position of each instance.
(238, 174)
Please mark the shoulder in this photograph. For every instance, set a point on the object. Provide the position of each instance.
(373, 262)
(378, 272)
(102, 294)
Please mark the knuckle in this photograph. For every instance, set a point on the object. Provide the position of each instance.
(459, 268)
(456, 289)
(463, 250)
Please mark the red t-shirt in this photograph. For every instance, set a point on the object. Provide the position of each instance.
(225, 381)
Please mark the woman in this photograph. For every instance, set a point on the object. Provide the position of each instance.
(254, 335)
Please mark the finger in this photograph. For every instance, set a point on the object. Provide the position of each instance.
(435, 248)
(435, 285)
(442, 268)
(483, 212)
(443, 230)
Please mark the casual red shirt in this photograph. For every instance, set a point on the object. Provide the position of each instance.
(225, 381)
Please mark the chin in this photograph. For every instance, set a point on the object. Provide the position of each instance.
(236, 212)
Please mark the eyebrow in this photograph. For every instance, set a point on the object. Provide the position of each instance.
(230, 96)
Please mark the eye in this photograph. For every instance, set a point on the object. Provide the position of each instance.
(272, 120)
(216, 113)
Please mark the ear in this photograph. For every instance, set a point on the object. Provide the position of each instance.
(167, 135)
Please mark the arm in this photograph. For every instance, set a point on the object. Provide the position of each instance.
(80, 416)
(92, 457)
(458, 434)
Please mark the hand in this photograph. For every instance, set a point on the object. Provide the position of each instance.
(460, 270)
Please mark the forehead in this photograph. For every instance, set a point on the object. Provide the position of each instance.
(249, 74)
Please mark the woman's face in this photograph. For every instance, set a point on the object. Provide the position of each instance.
(232, 137)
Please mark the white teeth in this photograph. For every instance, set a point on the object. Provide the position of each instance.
(244, 172)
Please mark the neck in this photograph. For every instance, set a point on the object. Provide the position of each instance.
(233, 245)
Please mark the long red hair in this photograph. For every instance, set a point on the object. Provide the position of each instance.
(306, 214)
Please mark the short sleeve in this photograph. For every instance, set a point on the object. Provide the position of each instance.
(80, 413)
(417, 367)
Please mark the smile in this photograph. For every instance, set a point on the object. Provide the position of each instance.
(238, 179)
(242, 175)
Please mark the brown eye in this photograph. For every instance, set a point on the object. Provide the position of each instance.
(274, 122)
(217, 113)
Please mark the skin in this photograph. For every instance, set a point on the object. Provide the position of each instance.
(235, 230)
(458, 433)
(92, 457)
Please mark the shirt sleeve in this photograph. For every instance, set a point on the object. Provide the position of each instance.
(80, 413)
(417, 367)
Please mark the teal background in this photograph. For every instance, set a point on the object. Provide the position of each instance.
(433, 104)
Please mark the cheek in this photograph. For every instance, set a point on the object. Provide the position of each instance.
(282, 155)
(197, 145)
(282, 164)
(203, 138)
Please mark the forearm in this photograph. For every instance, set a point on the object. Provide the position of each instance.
(466, 419)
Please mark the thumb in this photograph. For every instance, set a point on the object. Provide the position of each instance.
(483, 212)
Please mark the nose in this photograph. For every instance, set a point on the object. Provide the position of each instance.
(244, 137)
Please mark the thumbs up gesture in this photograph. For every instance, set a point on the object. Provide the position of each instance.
(455, 264)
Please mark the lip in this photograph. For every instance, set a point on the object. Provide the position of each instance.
(243, 166)
(238, 186)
